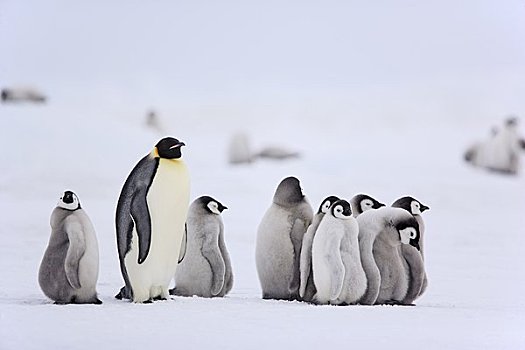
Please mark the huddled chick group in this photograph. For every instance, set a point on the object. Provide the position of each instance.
(349, 252)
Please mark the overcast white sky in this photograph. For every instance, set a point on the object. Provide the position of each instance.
(231, 47)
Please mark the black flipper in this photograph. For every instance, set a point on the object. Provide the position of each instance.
(142, 222)
(184, 244)
(138, 181)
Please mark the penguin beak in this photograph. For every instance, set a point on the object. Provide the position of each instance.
(379, 205)
(222, 207)
(180, 144)
(416, 245)
(423, 208)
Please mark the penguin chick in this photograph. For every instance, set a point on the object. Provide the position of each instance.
(239, 149)
(416, 208)
(363, 202)
(500, 152)
(307, 287)
(69, 270)
(279, 240)
(338, 274)
(206, 269)
(381, 231)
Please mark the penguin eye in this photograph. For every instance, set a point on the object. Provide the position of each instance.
(413, 234)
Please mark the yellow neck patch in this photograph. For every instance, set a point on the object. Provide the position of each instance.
(155, 153)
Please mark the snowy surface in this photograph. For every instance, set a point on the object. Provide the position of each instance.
(365, 118)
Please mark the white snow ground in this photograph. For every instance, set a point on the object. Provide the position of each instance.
(388, 137)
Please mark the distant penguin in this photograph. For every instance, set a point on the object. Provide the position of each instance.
(381, 231)
(501, 152)
(414, 207)
(154, 121)
(363, 202)
(279, 240)
(307, 287)
(278, 153)
(150, 219)
(206, 269)
(69, 270)
(239, 149)
(336, 263)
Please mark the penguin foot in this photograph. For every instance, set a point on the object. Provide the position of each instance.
(172, 291)
(97, 301)
(159, 298)
(60, 302)
(149, 301)
(123, 294)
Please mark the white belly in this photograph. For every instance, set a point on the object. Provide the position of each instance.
(168, 200)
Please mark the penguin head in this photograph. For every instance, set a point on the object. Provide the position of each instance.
(410, 204)
(169, 148)
(408, 230)
(326, 204)
(212, 205)
(341, 209)
(366, 203)
(69, 201)
(288, 192)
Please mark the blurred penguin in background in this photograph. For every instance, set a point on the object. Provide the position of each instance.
(153, 121)
(501, 152)
(239, 151)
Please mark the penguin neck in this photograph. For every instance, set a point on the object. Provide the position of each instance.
(155, 154)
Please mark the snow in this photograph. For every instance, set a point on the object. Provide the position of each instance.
(386, 111)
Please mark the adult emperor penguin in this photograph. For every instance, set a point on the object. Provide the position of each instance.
(69, 270)
(381, 231)
(416, 208)
(336, 263)
(150, 219)
(363, 202)
(307, 287)
(206, 270)
(279, 240)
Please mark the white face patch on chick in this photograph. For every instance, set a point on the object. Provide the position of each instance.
(326, 205)
(214, 207)
(366, 204)
(415, 208)
(407, 234)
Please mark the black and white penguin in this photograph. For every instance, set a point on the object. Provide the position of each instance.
(69, 270)
(416, 208)
(206, 270)
(279, 241)
(307, 287)
(381, 231)
(150, 221)
(363, 202)
(336, 262)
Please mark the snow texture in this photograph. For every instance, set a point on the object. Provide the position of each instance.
(378, 98)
